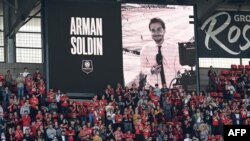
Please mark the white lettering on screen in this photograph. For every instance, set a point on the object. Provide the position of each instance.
(86, 36)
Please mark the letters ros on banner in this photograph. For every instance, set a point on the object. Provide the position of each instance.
(225, 34)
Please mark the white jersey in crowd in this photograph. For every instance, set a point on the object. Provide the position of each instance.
(187, 139)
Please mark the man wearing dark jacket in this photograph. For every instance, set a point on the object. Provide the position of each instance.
(63, 137)
(236, 117)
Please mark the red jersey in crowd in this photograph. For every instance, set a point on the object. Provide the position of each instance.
(215, 120)
(118, 135)
(42, 89)
(26, 120)
(51, 96)
(39, 116)
(34, 102)
(18, 134)
(129, 136)
(64, 100)
(28, 83)
(70, 133)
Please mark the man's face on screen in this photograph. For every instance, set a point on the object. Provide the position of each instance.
(157, 32)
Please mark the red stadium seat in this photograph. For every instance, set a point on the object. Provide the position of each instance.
(229, 78)
(86, 103)
(78, 103)
(1, 77)
(239, 72)
(213, 94)
(240, 67)
(179, 118)
(221, 100)
(233, 67)
(247, 67)
(222, 78)
(218, 137)
(236, 95)
(248, 72)
(210, 137)
(220, 95)
(225, 72)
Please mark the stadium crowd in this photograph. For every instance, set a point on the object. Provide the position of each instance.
(29, 112)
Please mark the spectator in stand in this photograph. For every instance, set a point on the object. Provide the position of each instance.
(2, 124)
(6, 98)
(52, 107)
(203, 132)
(109, 116)
(1, 111)
(215, 123)
(187, 138)
(33, 90)
(35, 75)
(62, 137)
(20, 80)
(25, 108)
(40, 136)
(197, 118)
(118, 134)
(58, 97)
(83, 114)
(97, 137)
(229, 90)
(51, 132)
(127, 123)
(119, 89)
(91, 110)
(109, 132)
(8, 79)
(25, 73)
(1, 87)
(51, 96)
(38, 78)
(10, 135)
(42, 90)
(28, 83)
(70, 133)
(246, 100)
(109, 91)
(18, 133)
(26, 120)
(64, 104)
(3, 138)
(157, 90)
(121, 103)
(167, 109)
(27, 135)
(212, 86)
(237, 118)
(34, 103)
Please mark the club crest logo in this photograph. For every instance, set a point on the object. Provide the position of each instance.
(87, 66)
